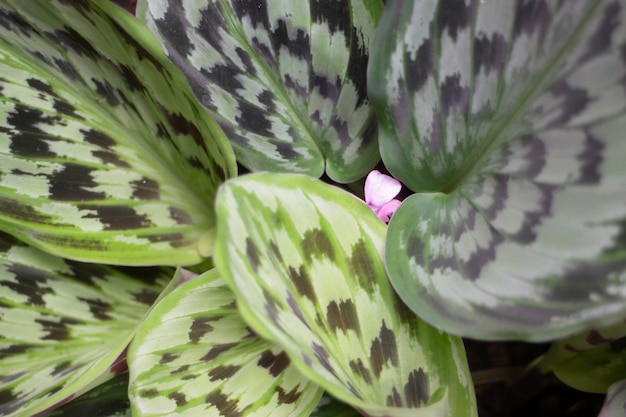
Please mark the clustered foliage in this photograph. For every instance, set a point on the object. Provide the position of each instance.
(129, 242)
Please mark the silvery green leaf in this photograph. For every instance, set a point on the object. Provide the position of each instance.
(305, 261)
(105, 155)
(508, 122)
(285, 79)
(195, 356)
(64, 325)
(615, 403)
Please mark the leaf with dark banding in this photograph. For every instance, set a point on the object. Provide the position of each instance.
(194, 355)
(64, 325)
(105, 154)
(508, 122)
(615, 403)
(285, 79)
(305, 261)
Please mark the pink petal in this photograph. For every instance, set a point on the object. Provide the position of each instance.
(385, 212)
(380, 189)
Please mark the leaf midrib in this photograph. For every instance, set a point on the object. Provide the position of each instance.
(494, 139)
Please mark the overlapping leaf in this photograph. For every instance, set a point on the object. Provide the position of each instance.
(594, 370)
(105, 155)
(615, 404)
(285, 79)
(64, 325)
(306, 262)
(194, 355)
(508, 121)
(107, 400)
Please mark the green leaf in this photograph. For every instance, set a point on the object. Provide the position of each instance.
(305, 261)
(594, 370)
(330, 407)
(615, 403)
(285, 79)
(508, 123)
(105, 155)
(194, 355)
(107, 400)
(64, 325)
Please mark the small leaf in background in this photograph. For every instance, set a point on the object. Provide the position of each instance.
(330, 407)
(508, 122)
(305, 261)
(64, 325)
(285, 79)
(107, 400)
(594, 370)
(194, 355)
(615, 404)
(105, 155)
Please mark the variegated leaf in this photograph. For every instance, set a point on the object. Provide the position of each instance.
(508, 122)
(615, 403)
(195, 356)
(285, 79)
(305, 261)
(594, 370)
(105, 155)
(107, 400)
(64, 325)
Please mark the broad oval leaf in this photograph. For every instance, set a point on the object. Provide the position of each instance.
(615, 403)
(105, 155)
(64, 325)
(305, 261)
(285, 79)
(508, 121)
(194, 355)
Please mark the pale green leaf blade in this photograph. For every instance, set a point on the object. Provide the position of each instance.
(194, 355)
(105, 155)
(615, 403)
(285, 79)
(508, 122)
(64, 325)
(305, 261)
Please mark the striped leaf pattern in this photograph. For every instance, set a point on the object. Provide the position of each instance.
(305, 261)
(285, 79)
(64, 325)
(507, 120)
(105, 155)
(194, 355)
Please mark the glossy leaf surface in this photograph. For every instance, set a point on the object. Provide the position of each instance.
(105, 155)
(64, 325)
(285, 79)
(508, 122)
(194, 355)
(305, 261)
